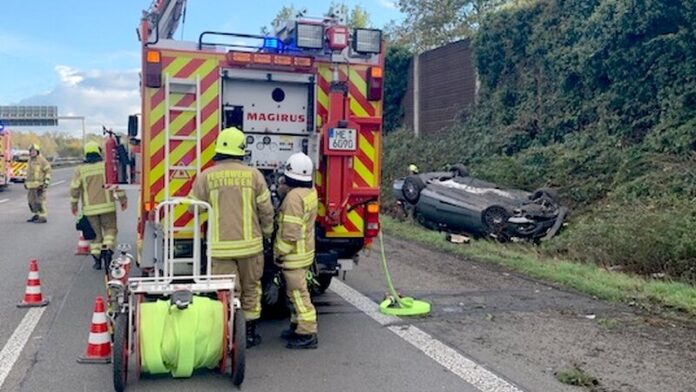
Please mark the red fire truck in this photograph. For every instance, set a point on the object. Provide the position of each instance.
(315, 86)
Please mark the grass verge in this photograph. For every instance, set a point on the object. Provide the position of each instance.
(577, 377)
(587, 278)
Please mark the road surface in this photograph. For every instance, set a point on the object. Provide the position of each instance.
(490, 331)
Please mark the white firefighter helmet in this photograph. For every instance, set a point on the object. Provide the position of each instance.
(299, 167)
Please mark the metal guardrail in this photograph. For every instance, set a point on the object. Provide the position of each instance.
(65, 161)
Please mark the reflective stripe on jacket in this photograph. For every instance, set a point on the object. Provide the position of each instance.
(88, 185)
(38, 172)
(295, 238)
(242, 203)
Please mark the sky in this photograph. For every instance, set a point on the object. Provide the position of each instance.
(83, 56)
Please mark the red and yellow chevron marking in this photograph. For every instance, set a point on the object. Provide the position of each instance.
(182, 153)
(18, 169)
(366, 164)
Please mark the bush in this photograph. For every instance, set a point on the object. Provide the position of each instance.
(647, 237)
(396, 67)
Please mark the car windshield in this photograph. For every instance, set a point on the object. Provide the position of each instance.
(21, 158)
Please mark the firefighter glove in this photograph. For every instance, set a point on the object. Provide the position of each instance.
(272, 292)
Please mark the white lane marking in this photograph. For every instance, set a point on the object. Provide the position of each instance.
(468, 370)
(57, 183)
(4, 201)
(19, 338)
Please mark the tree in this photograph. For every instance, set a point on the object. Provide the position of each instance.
(22, 141)
(53, 143)
(357, 17)
(432, 23)
(286, 13)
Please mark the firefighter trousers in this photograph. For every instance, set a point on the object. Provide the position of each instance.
(248, 286)
(106, 229)
(304, 313)
(37, 202)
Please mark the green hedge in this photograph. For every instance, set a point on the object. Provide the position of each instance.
(397, 63)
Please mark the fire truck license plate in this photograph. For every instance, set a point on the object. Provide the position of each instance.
(343, 139)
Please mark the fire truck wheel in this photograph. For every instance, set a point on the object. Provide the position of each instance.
(324, 281)
(277, 311)
(120, 353)
(238, 348)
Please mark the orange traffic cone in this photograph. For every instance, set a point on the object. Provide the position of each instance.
(32, 294)
(99, 342)
(82, 246)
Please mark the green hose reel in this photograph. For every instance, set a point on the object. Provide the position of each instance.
(179, 341)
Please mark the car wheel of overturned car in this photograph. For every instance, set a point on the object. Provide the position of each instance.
(495, 219)
(547, 194)
(413, 185)
(459, 170)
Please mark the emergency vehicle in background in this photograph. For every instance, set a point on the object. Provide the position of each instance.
(5, 157)
(314, 87)
(19, 165)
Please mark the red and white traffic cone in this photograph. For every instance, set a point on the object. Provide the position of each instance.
(32, 294)
(99, 342)
(82, 246)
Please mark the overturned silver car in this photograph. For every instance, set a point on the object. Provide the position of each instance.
(455, 202)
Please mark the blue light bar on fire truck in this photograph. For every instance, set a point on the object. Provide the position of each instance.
(367, 41)
(309, 35)
(272, 44)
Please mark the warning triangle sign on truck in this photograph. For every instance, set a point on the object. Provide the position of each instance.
(181, 174)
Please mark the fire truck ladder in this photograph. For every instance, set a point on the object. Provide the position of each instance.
(180, 86)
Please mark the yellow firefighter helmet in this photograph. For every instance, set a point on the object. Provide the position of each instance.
(231, 141)
(35, 147)
(92, 148)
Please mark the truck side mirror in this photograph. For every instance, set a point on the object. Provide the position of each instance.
(133, 126)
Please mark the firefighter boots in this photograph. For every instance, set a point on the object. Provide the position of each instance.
(107, 256)
(33, 218)
(290, 332)
(253, 339)
(40, 220)
(97, 262)
(299, 342)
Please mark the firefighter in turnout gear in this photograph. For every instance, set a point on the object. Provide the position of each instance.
(98, 204)
(38, 179)
(294, 247)
(241, 200)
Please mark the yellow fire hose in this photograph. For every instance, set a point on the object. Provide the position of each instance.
(178, 341)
